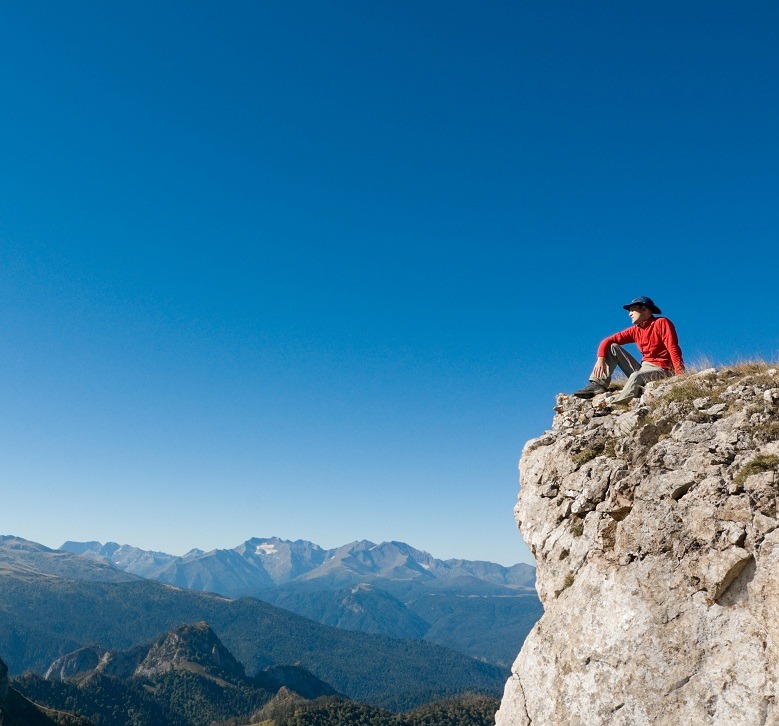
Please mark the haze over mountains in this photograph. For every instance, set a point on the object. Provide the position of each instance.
(480, 608)
(259, 564)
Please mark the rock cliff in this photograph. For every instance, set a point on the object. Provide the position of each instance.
(656, 537)
(79, 663)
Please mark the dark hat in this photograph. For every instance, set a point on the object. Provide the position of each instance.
(646, 302)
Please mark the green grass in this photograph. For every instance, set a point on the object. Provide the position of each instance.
(606, 447)
(588, 454)
(688, 386)
(761, 463)
(766, 431)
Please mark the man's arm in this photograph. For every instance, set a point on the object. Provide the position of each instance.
(671, 342)
(600, 370)
(624, 336)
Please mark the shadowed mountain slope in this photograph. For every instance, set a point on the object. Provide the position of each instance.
(16, 710)
(185, 677)
(46, 617)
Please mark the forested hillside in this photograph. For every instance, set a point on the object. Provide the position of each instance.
(46, 617)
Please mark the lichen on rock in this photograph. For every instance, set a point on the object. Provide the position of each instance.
(656, 537)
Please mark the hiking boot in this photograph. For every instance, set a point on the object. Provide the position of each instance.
(593, 388)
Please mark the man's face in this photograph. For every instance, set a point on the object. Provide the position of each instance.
(639, 314)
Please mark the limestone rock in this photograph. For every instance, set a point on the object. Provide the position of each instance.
(656, 536)
(78, 663)
(188, 646)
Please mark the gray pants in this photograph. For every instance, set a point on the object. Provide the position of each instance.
(638, 373)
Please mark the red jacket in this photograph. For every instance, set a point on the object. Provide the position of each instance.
(656, 339)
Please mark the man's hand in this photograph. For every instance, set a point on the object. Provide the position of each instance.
(600, 370)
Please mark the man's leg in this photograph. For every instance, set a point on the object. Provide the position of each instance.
(616, 357)
(638, 379)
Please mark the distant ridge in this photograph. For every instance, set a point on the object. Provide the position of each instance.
(20, 555)
(264, 563)
(480, 608)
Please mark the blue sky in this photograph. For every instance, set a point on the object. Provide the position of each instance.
(318, 269)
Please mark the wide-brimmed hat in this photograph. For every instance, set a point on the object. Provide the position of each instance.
(646, 302)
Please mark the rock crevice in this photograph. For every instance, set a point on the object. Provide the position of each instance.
(656, 536)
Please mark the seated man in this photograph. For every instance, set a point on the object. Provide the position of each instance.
(659, 346)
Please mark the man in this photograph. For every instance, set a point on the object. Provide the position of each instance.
(659, 346)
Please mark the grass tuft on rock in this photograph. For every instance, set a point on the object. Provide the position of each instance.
(761, 463)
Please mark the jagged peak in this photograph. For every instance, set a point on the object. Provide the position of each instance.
(194, 644)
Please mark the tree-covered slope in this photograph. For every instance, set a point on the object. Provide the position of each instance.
(17, 710)
(288, 710)
(44, 617)
(186, 677)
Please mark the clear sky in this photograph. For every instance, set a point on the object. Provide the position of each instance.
(318, 269)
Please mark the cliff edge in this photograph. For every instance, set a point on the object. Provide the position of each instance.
(656, 537)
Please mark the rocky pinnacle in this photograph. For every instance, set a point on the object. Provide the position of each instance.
(656, 537)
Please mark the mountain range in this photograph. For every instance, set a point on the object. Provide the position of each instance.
(55, 602)
(479, 608)
(262, 563)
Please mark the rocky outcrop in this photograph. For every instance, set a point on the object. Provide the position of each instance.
(190, 646)
(656, 536)
(79, 663)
